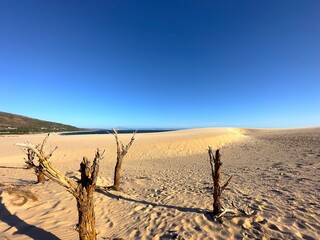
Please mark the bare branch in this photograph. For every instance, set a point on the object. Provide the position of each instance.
(226, 184)
(95, 166)
(52, 151)
(122, 148)
(30, 154)
(211, 157)
(50, 171)
(85, 171)
(224, 212)
(44, 143)
(131, 141)
(115, 134)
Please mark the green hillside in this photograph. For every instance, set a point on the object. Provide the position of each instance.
(17, 124)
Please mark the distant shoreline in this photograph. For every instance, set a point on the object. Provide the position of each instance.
(108, 131)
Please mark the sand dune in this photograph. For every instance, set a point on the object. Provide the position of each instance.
(167, 186)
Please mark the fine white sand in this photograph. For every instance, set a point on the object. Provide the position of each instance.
(167, 186)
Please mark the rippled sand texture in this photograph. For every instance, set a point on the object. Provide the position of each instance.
(167, 186)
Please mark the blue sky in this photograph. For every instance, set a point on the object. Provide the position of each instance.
(167, 64)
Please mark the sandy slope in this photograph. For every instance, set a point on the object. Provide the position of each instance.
(167, 186)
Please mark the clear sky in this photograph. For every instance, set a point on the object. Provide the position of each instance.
(167, 64)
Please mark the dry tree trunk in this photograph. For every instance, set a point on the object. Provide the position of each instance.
(30, 164)
(82, 190)
(215, 162)
(86, 217)
(121, 152)
(116, 178)
(84, 197)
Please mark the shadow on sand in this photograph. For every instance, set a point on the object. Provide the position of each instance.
(118, 197)
(22, 227)
(12, 167)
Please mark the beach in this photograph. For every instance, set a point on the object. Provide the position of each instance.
(167, 186)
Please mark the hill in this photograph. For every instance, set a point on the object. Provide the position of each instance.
(17, 124)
